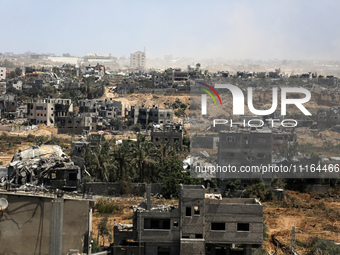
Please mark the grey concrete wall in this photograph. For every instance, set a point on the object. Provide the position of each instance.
(25, 225)
(192, 247)
(163, 235)
(209, 142)
(231, 214)
(100, 188)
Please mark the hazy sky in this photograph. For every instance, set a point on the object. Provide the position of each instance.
(239, 29)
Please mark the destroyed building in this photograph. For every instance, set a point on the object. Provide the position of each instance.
(44, 166)
(244, 148)
(107, 109)
(8, 106)
(327, 118)
(98, 70)
(167, 133)
(163, 80)
(13, 84)
(74, 124)
(46, 110)
(202, 223)
(146, 115)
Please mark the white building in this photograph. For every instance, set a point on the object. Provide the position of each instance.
(138, 60)
(2, 73)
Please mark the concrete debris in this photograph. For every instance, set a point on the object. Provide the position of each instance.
(213, 196)
(124, 226)
(39, 167)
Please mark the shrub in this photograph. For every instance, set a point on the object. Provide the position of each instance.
(327, 247)
(106, 206)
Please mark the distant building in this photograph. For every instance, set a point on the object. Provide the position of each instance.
(163, 80)
(138, 60)
(8, 106)
(327, 118)
(244, 148)
(73, 124)
(145, 116)
(108, 109)
(94, 70)
(45, 110)
(14, 84)
(180, 75)
(2, 73)
(168, 133)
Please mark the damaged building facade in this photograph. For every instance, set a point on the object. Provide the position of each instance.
(243, 148)
(10, 107)
(147, 115)
(327, 118)
(167, 133)
(41, 167)
(46, 110)
(202, 223)
(74, 124)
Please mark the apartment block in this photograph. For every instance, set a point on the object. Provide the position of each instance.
(2, 73)
(45, 110)
(73, 124)
(163, 80)
(138, 60)
(167, 133)
(244, 148)
(145, 116)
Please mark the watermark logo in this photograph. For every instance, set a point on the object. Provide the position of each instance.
(204, 97)
(238, 99)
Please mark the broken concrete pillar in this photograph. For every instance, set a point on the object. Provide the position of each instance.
(148, 197)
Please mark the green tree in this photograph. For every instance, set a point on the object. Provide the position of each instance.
(145, 157)
(18, 71)
(136, 128)
(99, 162)
(121, 161)
(171, 174)
(325, 247)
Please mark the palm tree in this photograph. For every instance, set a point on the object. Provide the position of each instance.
(121, 160)
(145, 157)
(99, 162)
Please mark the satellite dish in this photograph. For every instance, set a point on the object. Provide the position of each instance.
(3, 204)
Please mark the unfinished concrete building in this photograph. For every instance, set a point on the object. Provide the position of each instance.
(74, 124)
(202, 223)
(8, 106)
(167, 133)
(244, 148)
(163, 80)
(46, 110)
(145, 116)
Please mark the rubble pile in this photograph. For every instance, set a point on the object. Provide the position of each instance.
(46, 166)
